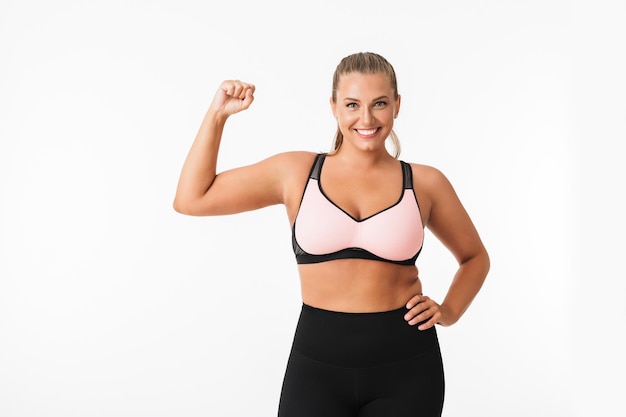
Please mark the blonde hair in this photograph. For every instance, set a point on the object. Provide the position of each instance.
(365, 63)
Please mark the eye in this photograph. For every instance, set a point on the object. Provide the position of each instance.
(380, 104)
(351, 105)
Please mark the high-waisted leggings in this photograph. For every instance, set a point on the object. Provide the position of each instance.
(362, 365)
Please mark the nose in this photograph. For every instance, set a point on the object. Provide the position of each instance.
(366, 115)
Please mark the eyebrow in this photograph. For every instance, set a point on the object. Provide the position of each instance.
(355, 99)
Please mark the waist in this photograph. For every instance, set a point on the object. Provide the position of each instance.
(360, 339)
(358, 285)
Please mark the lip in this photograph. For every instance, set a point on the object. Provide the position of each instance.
(367, 133)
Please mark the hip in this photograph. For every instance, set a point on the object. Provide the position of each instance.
(360, 339)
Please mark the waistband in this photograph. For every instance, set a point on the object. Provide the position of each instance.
(360, 339)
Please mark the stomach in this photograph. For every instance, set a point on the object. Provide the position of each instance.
(358, 285)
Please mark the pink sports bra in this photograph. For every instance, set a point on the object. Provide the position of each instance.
(322, 231)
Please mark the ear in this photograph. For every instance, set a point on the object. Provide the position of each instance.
(333, 107)
(397, 109)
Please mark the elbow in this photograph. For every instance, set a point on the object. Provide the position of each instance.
(479, 262)
(484, 259)
(182, 207)
(178, 207)
(485, 263)
(192, 207)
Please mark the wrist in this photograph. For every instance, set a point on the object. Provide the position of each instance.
(448, 316)
(216, 116)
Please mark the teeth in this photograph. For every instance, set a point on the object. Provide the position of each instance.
(366, 132)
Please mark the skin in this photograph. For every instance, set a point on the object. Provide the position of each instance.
(357, 178)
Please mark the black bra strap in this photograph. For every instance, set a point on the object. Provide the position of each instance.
(407, 175)
(407, 172)
(317, 166)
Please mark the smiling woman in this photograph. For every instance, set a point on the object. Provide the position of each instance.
(366, 342)
(378, 108)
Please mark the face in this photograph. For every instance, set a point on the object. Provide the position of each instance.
(365, 109)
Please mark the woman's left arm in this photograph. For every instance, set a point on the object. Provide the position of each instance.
(450, 223)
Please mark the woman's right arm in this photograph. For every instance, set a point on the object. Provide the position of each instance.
(201, 191)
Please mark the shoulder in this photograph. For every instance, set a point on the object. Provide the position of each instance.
(434, 186)
(427, 175)
(292, 162)
(435, 193)
(430, 181)
(293, 169)
(294, 157)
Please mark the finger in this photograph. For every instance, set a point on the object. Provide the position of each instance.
(430, 323)
(416, 299)
(234, 88)
(416, 311)
(228, 87)
(420, 317)
(425, 326)
(425, 311)
(238, 89)
(248, 99)
(246, 89)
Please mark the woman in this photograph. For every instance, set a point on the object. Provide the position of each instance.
(365, 343)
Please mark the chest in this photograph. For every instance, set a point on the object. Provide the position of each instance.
(363, 196)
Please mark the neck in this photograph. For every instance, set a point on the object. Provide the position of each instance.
(362, 159)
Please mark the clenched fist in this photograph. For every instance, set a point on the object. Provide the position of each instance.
(232, 97)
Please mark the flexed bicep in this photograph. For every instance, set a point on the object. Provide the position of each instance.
(243, 189)
(198, 174)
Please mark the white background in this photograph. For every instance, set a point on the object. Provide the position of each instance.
(112, 304)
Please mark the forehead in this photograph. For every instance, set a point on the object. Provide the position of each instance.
(356, 84)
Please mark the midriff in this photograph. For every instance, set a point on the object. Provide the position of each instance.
(358, 285)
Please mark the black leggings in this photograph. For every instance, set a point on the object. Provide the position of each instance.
(362, 365)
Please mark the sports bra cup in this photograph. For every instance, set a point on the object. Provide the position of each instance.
(322, 231)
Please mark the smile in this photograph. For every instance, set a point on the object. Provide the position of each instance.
(366, 132)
